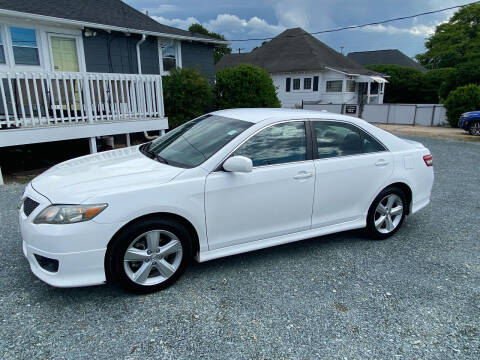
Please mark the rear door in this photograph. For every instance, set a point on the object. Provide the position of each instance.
(351, 166)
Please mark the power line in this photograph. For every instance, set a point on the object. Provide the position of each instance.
(369, 24)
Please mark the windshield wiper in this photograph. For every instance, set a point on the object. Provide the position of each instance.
(161, 159)
(145, 149)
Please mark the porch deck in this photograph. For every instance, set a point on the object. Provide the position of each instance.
(49, 106)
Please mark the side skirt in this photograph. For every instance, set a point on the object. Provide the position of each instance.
(279, 240)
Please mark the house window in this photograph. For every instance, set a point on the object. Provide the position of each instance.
(307, 83)
(2, 51)
(334, 85)
(169, 54)
(351, 86)
(296, 84)
(374, 88)
(24, 45)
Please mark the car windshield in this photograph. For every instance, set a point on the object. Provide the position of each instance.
(192, 143)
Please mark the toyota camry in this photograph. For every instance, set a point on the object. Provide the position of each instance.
(222, 184)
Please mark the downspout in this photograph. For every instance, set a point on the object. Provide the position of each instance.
(139, 65)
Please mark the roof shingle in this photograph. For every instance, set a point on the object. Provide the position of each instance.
(294, 50)
(105, 12)
(384, 57)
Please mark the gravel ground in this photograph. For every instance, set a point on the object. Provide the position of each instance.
(414, 296)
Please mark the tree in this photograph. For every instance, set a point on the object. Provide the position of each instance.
(187, 94)
(403, 83)
(245, 86)
(455, 42)
(463, 99)
(463, 74)
(219, 50)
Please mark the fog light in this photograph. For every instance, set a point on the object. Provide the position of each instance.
(45, 263)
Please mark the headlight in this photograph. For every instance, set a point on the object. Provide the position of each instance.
(68, 214)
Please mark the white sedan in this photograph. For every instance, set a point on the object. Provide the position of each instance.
(225, 183)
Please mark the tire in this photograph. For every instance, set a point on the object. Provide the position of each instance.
(159, 250)
(386, 228)
(474, 128)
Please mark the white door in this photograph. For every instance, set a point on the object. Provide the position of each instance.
(276, 198)
(351, 168)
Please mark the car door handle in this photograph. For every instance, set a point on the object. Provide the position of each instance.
(381, 163)
(303, 175)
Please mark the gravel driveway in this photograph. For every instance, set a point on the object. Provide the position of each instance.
(414, 296)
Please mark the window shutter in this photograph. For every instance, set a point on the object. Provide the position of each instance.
(315, 83)
(287, 85)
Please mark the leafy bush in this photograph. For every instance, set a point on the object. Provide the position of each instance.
(187, 94)
(245, 86)
(463, 99)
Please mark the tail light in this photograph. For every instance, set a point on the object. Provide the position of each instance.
(428, 160)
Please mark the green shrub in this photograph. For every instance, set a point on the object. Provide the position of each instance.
(187, 94)
(463, 99)
(245, 86)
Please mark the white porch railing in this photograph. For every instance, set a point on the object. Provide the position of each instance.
(42, 99)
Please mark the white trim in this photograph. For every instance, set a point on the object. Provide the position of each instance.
(178, 55)
(106, 27)
(79, 45)
(78, 131)
(334, 92)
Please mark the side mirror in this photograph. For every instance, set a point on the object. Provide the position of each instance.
(238, 164)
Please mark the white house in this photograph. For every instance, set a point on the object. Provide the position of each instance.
(305, 69)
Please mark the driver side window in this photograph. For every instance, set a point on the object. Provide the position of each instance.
(277, 144)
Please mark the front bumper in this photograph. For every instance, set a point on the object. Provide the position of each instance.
(79, 248)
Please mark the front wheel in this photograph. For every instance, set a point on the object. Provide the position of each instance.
(149, 255)
(386, 213)
(474, 128)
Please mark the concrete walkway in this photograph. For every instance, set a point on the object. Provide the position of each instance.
(430, 131)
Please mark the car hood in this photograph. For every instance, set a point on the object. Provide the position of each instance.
(77, 180)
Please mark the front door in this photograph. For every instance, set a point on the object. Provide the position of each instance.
(274, 199)
(64, 53)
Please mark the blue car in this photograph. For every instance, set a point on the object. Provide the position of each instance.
(470, 121)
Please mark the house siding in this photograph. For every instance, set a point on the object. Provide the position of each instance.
(116, 53)
(294, 98)
(197, 55)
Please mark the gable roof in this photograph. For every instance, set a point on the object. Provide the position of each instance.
(294, 50)
(114, 14)
(384, 57)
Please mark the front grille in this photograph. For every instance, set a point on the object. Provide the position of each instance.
(29, 205)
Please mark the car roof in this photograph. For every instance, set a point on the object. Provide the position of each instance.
(256, 115)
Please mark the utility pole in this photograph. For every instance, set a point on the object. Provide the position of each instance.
(240, 49)
(341, 50)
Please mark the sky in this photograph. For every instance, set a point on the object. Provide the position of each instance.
(244, 19)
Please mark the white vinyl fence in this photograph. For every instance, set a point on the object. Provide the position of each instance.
(401, 114)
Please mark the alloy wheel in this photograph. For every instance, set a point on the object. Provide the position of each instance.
(388, 214)
(153, 257)
(475, 128)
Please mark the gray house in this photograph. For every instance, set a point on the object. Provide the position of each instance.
(86, 68)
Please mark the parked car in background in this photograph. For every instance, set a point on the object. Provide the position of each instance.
(225, 183)
(470, 121)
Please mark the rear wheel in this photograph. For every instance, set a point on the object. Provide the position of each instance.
(474, 128)
(149, 255)
(386, 213)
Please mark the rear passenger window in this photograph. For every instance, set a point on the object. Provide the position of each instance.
(336, 139)
(370, 144)
(341, 139)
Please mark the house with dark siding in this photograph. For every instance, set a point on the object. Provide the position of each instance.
(86, 68)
